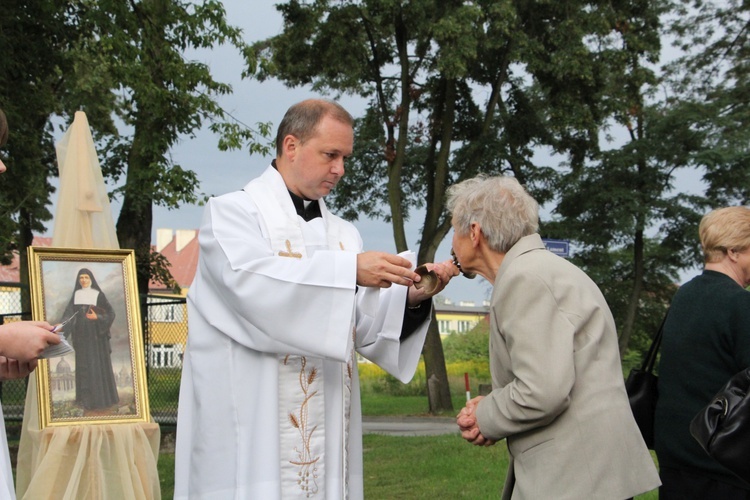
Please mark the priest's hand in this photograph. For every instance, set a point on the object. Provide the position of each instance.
(12, 368)
(380, 269)
(25, 340)
(444, 270)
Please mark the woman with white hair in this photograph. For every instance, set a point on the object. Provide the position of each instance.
(558, 395)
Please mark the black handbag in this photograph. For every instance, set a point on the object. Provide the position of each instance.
(643, 391)
(723, 427)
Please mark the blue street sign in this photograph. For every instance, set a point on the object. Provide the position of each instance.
(558, 247)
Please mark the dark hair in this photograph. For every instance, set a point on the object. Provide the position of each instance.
(301, 120)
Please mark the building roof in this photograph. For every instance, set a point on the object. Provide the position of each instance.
(181, 251)
(180, 248)
(461, 308)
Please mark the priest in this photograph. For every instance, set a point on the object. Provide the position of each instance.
(283, 301)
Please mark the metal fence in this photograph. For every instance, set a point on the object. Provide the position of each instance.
(164, 336)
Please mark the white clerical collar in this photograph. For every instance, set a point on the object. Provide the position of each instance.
(86, 296)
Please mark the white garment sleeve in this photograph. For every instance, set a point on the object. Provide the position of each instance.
(267, 303)
(379, 321)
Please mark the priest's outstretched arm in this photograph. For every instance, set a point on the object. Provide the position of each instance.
(392, 333)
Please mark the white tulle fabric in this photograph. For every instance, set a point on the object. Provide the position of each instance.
(84, 461)
(83, 218)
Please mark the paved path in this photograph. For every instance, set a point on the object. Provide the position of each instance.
(409, 426)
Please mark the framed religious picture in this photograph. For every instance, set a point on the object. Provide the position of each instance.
(97, 374)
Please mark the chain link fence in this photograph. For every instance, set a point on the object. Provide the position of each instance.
(164, 339)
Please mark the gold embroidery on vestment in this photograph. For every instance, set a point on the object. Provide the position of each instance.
(341, 245)
(307, 474)
(289, 252)
(348, 378)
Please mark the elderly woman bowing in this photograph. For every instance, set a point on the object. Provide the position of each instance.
(558, 393)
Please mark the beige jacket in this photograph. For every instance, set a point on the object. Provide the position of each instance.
(558, 393)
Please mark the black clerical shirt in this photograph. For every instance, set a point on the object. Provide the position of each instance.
(309, 212)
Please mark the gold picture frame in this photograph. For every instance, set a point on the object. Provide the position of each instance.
(102, 322)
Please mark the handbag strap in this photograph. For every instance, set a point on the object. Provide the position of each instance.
(650, 361)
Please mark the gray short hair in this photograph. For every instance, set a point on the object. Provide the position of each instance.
(500, 205)
(302, 119)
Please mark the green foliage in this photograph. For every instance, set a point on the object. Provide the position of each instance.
(375, 381)
(470, 346)
(713, 77)
(14, 392)
(380, 404)
(165, 467)
(36, 40)
(159, 268)
(478, 370)
(164, 388)
(458, 89)
(114, 60)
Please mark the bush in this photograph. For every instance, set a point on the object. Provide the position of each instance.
(374, 379)
(470, 346)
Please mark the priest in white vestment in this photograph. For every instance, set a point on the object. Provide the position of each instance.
(283, 299)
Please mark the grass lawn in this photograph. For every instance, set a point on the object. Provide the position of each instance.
(375, 405)
(413, 467)
(430, 467)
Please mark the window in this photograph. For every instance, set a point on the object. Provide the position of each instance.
(166, 355)
(166, 312)
(444, 326)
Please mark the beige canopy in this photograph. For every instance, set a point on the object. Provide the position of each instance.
(83, 218)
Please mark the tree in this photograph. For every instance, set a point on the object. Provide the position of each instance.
(697, 121)
(634, 233)
(469, 346)
(37, 40)
(160, 97)
(713, 76)
(124, 63)
(455, 88)
(619, 204)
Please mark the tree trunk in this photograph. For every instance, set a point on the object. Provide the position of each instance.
(136, 216)
(638, 240)
(635, 295)
(25, 240)
(401, 118)
(434, 361)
